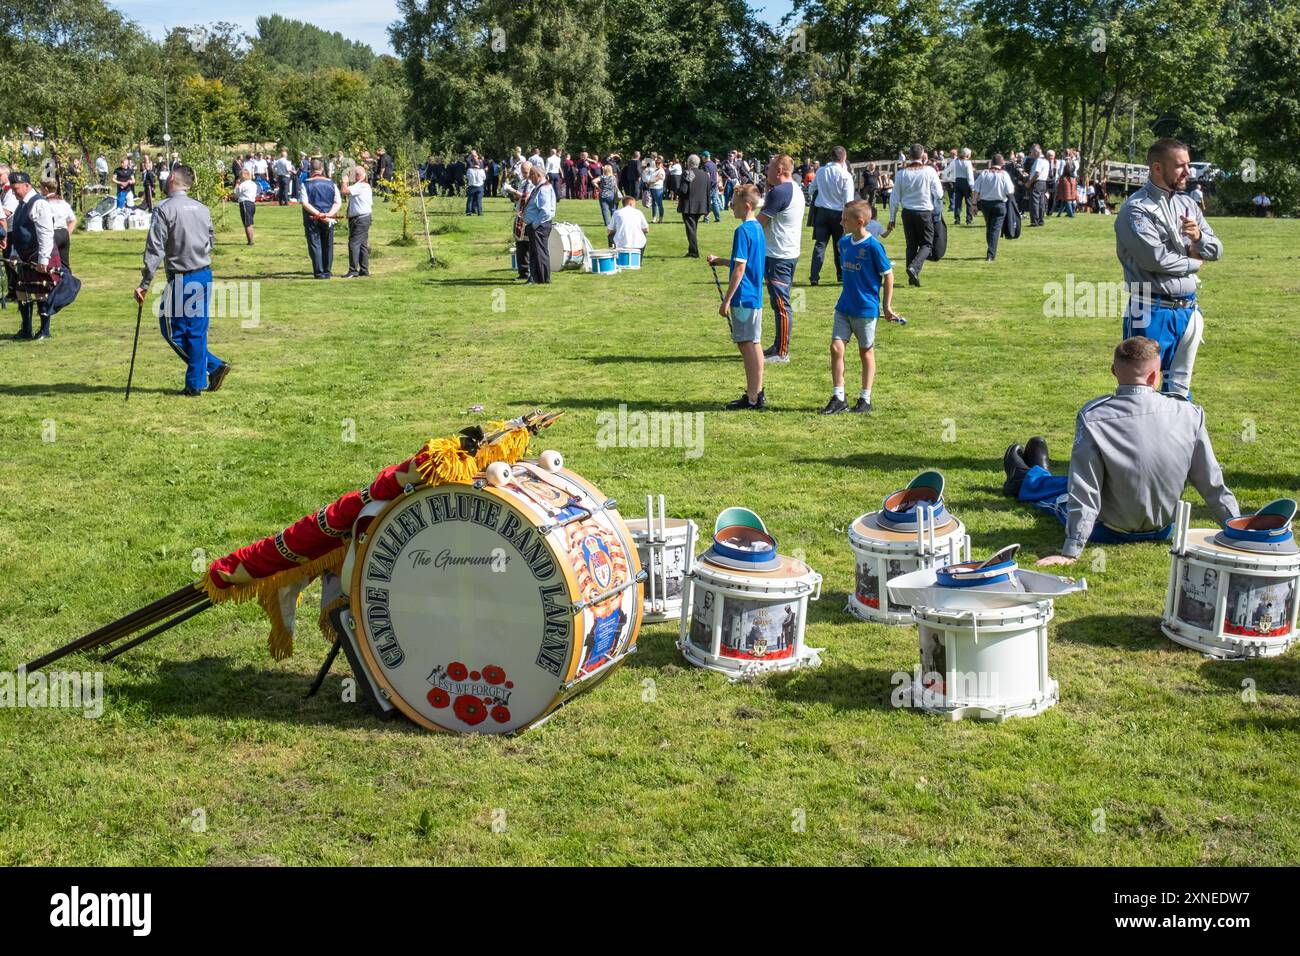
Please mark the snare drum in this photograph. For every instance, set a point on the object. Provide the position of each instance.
(742, 620)
(483, 608)
(882, 553)
(1229, 603)
(988, 662)
(604, 263)
(666, 549)
(628, 258)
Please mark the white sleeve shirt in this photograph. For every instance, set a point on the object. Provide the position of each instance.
(994, 185)
(833, 186)
(917, 188)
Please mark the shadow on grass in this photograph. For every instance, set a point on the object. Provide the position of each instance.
(504, 281)
(215, 687)
(1134, 632)
(79, 388)
(654, 359)
(841, 686)
(1271, 675)
(611, 404)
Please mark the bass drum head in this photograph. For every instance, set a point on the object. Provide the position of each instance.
(464, 612)
(466, 633)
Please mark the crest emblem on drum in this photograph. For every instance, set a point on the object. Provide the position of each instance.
(473, 695)
(596, 555)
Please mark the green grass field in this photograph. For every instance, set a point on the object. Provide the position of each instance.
(105, 505)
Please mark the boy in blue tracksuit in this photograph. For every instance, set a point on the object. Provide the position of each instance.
(742, 303)
(868, 285)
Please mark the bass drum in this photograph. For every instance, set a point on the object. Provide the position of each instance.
(482, 608)
(567, 245)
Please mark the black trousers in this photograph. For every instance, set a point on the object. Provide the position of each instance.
(995, 213)
(539, 252)
(961, 194)
(61, 240)
(692, 221)
(1038, 203)
(918, 228)
(359, 245)
(828, 225)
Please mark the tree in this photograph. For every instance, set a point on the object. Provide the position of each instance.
(504, 72)
(77, 69)
(871, 58)
(1099, 56)
(303, 47)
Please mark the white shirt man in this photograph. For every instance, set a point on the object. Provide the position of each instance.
(994, 185)
(361, 199)
(536, 159)
(246, 191)
(553, 164)
(628, 228)
(475, 177)
(833, 187)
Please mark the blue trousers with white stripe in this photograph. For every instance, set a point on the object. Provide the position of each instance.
(183, 321)
(1177, 332)
(1050, 493)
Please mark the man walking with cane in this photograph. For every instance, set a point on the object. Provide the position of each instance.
(180, 239)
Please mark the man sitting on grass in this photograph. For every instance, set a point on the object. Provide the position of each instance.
(866, 270)
(627, 227)
(742, 304)
(1133, 453)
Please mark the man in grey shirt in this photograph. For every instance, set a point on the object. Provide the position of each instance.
(180, 239)
(1133, 453)
(1162, 239)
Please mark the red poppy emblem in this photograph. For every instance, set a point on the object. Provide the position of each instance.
(439, 698)
(493, 674)
(470, 709)
(457, 671)
(501, 714)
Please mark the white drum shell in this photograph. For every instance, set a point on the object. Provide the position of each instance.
(567, 245)
(667, 561)
(883, 558)
(1221, 618)
(992, 663)
(715, 597)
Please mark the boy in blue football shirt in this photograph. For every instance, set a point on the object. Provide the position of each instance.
(742, 303)
(868, 283)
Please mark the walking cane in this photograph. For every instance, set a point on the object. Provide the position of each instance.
(717, 282)
(134, 345)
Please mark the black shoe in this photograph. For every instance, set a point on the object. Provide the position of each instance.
(352, 275)
(189, 392)
(913, 278)
(988, 258)
(42, 335)
(812, 282)
(1013, 463)
(1036, 453)
(23, 335)
(743, 404)
(217, 377)
(861, 407)
(835, 406)
(768, 353)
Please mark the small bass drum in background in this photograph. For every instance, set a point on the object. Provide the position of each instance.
(482, 608)
(567, 245)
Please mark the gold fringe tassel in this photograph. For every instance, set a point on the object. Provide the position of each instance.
(509, 448)
(267, 592)
(442, 461)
